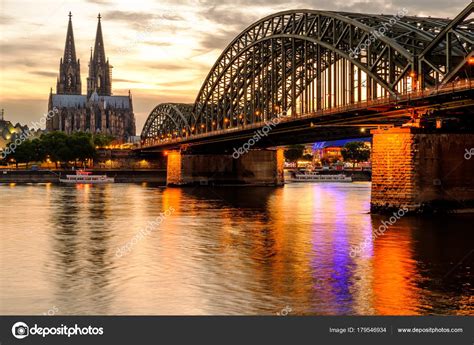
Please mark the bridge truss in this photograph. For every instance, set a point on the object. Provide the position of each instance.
(304, 61)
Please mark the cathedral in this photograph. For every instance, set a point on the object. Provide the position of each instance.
(97, 111)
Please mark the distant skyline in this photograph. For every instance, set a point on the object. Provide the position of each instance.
(160, 50)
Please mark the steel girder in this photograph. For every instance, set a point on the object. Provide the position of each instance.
(446, 55)
(166, 119)
(302, 61)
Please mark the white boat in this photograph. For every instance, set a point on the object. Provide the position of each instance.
(86, 177)
(314, 176)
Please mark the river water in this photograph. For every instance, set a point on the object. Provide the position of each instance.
(138, 249)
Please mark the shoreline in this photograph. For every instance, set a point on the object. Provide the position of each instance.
(52, 176)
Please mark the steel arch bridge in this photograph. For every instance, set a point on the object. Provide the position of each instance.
(166, 119)
(305, 61)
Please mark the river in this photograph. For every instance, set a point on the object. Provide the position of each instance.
(138, 249)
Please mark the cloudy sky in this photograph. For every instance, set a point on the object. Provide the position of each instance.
(160, 50)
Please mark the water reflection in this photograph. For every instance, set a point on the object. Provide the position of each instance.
(226, 251)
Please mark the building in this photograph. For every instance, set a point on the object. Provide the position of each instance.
(329, 152)
(98, 111)
(10, 133)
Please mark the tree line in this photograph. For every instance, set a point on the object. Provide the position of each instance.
(59, 148)
(353, 152)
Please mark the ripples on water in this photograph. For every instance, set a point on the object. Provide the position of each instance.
(225, 251)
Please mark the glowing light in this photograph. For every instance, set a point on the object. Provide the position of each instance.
(362, 130)
(471, 60)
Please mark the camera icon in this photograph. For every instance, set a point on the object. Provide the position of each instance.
(20, 330)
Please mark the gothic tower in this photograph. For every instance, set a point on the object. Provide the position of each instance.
(100, 72)
(69, 80)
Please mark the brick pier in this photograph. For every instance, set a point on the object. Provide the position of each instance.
(423, 170)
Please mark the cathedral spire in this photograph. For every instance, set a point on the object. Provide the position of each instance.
(100, 72)
(69, 80)
(69, 48)
(99, 50)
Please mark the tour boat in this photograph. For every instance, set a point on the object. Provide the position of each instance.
(313, 176)
(86, 177)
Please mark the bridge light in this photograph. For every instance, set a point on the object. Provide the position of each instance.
(213, 123)
(202, 125)
(192, 129)
(412, 74)
(471, 60)
(165, 153)
(240, 116)
(226, 120)
(362, 130)
(183, 130)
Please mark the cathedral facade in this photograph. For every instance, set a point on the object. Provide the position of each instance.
(97, 111)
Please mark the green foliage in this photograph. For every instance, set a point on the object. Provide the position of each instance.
(294, 152)
(23, 153)
(102, 140)
(81, 146)
(355, 151)
(58, 147)
(54, 144)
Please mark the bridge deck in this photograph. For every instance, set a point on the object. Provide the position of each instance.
(334, 123)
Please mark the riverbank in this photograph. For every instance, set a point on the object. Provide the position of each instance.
(121, 176)
(357, 175)
(52, 176)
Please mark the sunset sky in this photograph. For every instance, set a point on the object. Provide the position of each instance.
(160, 50)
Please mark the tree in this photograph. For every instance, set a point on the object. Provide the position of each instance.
(102, 140)
(54, 144)
(81, 146)
(294, 152)
(355, 152)
(39, 154)
(24, 153)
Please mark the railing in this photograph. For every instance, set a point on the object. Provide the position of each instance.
(464, 84)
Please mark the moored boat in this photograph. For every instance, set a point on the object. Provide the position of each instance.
(86, 177)
(315, 177)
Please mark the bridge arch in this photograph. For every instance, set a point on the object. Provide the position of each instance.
(165, 120)
(304, 61)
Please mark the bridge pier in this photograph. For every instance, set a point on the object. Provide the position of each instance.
(422, 170)
(256, 167)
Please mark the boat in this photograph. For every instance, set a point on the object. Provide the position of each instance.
(313, 176)
(86, 177)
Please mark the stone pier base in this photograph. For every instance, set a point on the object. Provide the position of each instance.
(256, 167)
(422, 171)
